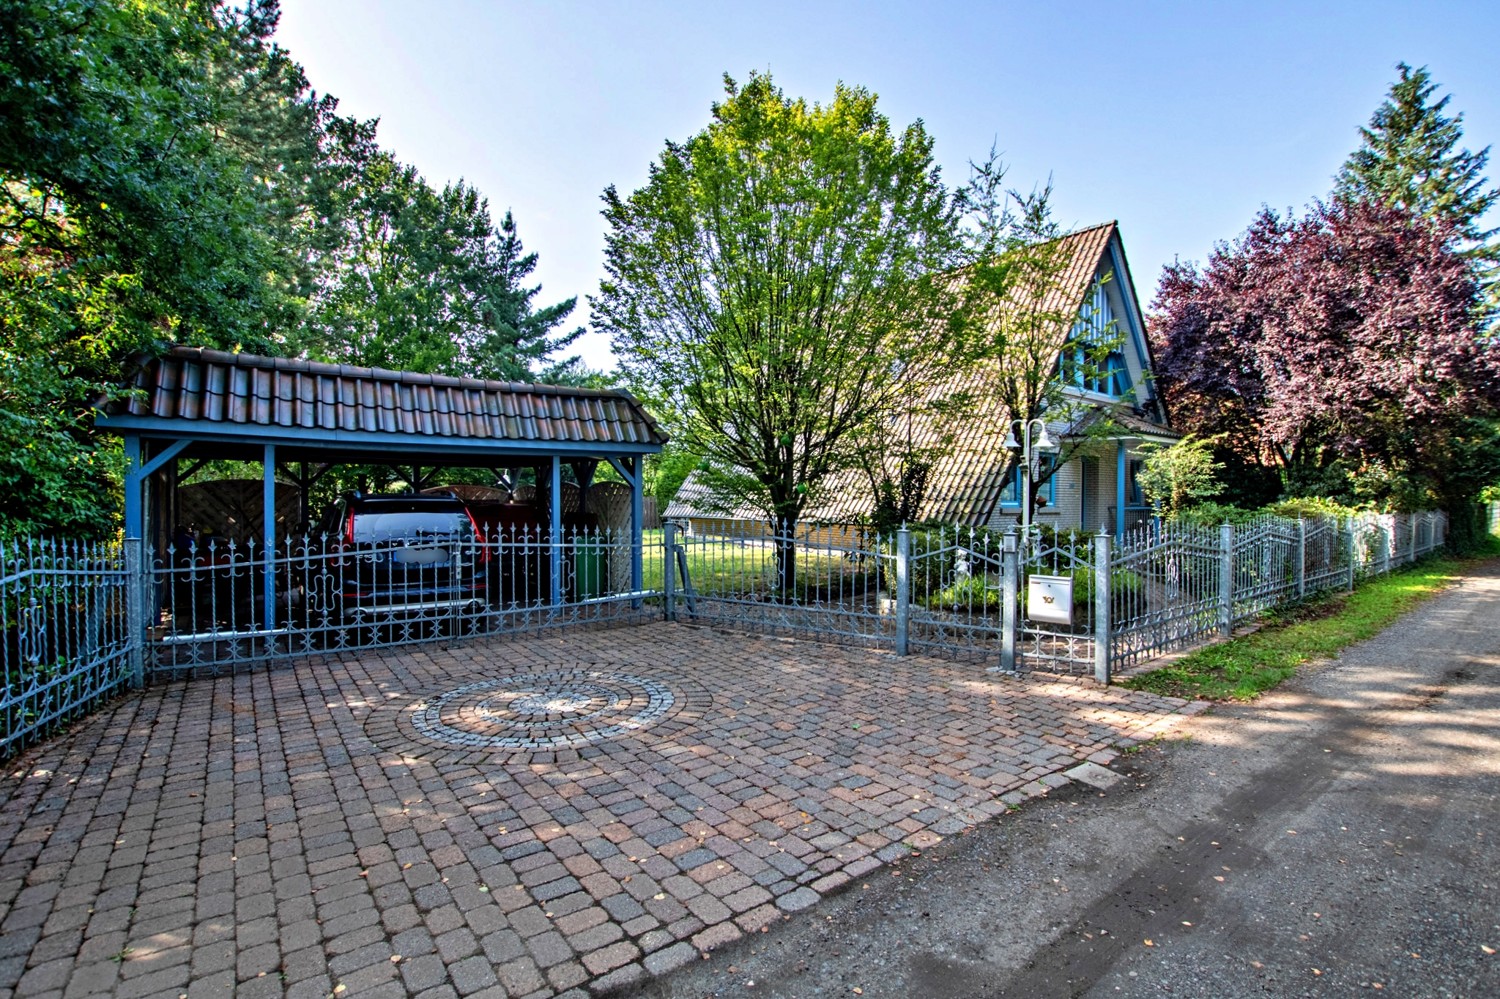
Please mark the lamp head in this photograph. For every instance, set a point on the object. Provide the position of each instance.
(1045, 443)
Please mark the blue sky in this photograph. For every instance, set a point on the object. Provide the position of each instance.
(1180, 120)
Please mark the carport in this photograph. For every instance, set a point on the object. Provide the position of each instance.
(192, 405)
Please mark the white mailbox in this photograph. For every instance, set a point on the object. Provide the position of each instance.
(1050, 599)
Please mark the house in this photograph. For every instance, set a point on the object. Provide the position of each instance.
(1111, 410)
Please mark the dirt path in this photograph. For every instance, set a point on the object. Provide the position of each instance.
(1338, 837)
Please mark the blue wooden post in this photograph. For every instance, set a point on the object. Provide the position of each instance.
(637, 526)
(1121, 467)
(134, 521)
(268, 532)
(554, 532)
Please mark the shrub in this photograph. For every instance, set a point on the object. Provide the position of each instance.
(1296, 507)
(1213, 514)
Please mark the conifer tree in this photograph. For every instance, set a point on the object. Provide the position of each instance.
(1411, 159)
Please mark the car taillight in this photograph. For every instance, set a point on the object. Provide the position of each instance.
(484, 551)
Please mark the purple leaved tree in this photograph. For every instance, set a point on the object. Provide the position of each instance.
(1343, 347)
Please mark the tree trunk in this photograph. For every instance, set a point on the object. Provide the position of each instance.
(786, 562)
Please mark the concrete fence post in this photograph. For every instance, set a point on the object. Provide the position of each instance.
(1009, 599)
(1226, 578)
(1411, 520)
(669, 570)
(135, 612)
(1101, 608)
(903, 590)
(1301, 558)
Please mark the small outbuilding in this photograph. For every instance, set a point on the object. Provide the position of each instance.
(192, 405)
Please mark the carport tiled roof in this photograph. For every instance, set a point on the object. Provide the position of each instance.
(192, 386)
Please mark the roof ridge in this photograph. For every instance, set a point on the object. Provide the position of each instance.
(247, 360)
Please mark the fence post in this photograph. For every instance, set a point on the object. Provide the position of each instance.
(903, 589)
(1226, 578)
(1411, 520)
(1009, 590)
(1349, 522)
(135, 612)
(1101, 608)
(669, 569)
(1301, 558)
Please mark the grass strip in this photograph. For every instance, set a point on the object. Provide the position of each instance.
(1245, 667)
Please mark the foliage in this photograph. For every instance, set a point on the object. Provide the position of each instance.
(423, 280)
(1173, 477)
(1013, 326)
(1342, 345)
(1243, 668)
(153, 170)
(1297, 507)
(168, 175)
(774, 280)
(1410, 159)
(1213, 514)
(667, 471)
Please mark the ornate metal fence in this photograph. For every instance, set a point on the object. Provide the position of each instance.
(67, 644)
(834, 584)
(84, 622)
(217, 606)
(1191, 582)
(951, 592)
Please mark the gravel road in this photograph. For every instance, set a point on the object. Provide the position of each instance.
(1337, 837)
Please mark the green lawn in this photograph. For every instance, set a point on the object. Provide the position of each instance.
(723, 567)
(1243, 668)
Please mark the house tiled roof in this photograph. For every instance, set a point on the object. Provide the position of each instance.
(196, 387)
(964, 482)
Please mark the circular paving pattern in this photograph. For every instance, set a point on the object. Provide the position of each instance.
(559, 709)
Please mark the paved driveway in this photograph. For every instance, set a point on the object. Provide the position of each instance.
(505, 818)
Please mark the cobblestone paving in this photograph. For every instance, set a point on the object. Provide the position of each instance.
(504, 818)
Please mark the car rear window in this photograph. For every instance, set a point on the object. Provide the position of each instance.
(414, 525)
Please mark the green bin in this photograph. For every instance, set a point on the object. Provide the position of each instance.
(590, 573)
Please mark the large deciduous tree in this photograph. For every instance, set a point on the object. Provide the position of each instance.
(1343, 346)
(776, 278)
(155, 169)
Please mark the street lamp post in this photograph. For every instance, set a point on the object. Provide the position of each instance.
(1044, 445)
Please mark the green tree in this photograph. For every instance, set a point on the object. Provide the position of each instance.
(1173, 478)
(1410, 158)
(423, 280)
(776, 280)
(153, 185)
(1030, 346)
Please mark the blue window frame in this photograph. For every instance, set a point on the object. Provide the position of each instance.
(1133, 492)
(1010, 493)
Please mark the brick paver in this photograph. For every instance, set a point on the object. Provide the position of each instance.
(402, 821)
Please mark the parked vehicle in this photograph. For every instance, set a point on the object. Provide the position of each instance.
(400, 555)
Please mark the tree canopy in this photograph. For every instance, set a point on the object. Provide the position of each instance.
(1410, 158)
(776, 280)
(1342, 345)
(167, 174)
